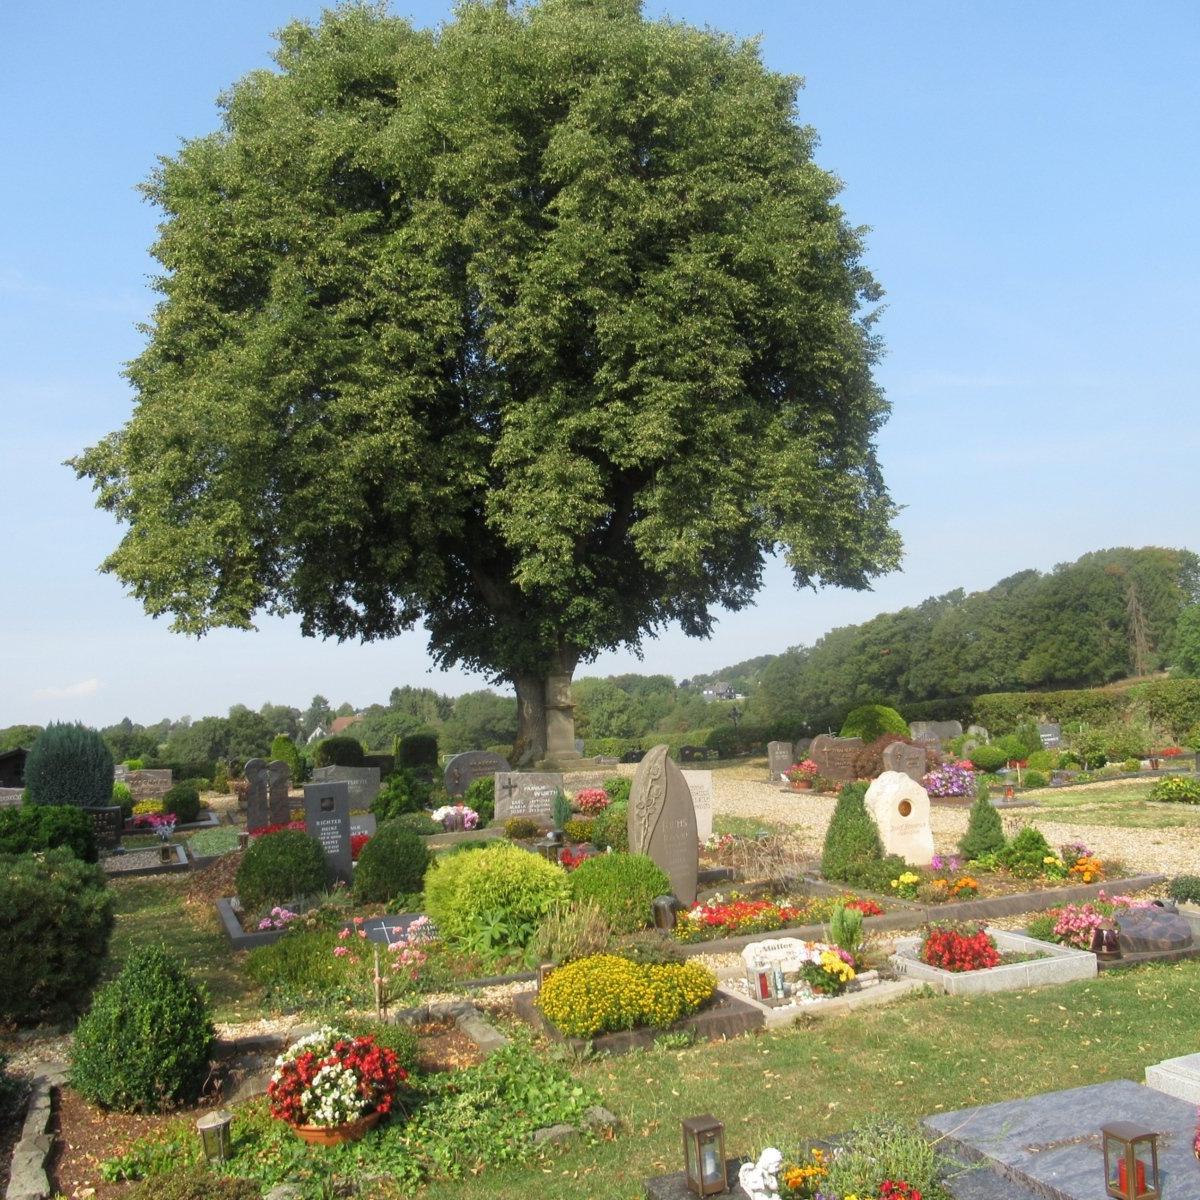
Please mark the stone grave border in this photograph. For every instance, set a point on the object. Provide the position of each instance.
(211, 821)
(866, 991)
(27, 1178)
(725, 1016)
(181, 863)
(1061, 964)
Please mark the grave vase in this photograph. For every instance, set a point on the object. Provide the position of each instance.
(801, 785)
(337, 1135)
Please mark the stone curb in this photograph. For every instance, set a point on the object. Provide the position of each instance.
(27, 1178)
(466, 1017)
(181, 863)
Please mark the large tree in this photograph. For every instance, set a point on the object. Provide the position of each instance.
(542, 328)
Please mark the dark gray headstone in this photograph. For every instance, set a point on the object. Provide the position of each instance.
(107, 823)
(908, 760)
(936, 731)
(779, 758)
(258, 788)
(327, 818)
(662, 822)
(835, 756)
(527, 794)
(1143, 930)
(363, 782)
(463, 769)
(1051, 735)
(279, 778)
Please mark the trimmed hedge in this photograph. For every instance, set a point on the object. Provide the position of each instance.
(69, 764)
(391, 864)
(183, 800)
(341, 751)
(46, 827)
(418, 750)
(622, 886)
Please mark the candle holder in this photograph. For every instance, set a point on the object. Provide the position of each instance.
(1131, 1162)
(214, 1130)
(704, 1156)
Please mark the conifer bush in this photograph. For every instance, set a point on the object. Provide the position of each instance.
(69, 764)
(46, 827)
(852, 846)
(145, 1044)
(985, 830)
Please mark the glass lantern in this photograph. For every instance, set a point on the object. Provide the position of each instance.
(214, 1134)
(704, 1156)
(1130, 1161)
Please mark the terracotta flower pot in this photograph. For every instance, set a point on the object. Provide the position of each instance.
(801, 785)
(336, 1135)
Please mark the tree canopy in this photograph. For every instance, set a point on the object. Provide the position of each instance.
(542, 328)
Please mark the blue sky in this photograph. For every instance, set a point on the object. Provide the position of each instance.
(1030, 174)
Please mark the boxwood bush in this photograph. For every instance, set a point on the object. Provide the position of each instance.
(988, 757)
(69, 764)
(45, 827)
(402, 792)
(280, 867)
(391, 864)
(870, 721)
(623, 885)
(58, 917)
(182, 799)
(610, 827)
(481, 796)
(146, 1041)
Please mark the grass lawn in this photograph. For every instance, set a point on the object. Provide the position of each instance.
(1121, 805)
(918, 1056)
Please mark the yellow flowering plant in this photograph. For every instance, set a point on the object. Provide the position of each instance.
(907, 886)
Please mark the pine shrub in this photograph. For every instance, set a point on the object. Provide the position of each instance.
(391, 864)
(58, 918)
(69, 764)
(985, 830)
(623, 885)
(145, 1043)
(852, 850)
(46, 827)
(280, 867)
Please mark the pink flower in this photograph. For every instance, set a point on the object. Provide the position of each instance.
(344, 934)
(340, 951)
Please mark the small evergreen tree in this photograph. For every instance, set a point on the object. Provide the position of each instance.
(852, 846)
(985, 832)
(70, 764)
(284, 749)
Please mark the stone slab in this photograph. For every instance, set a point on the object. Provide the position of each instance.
(700, 784)
(1178, 1077)
(528, 794)
(674, 1187)
(363, 782)
(835, 756)
(463, 769)
(1061, 965)
(781, 1016)
(1051, 1143)
(779, 758)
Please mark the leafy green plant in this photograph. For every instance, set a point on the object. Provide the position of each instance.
(1041, 926)
(45, 827)
(391, 864)
(1026, 854)
(402, 792)
(300, 970)
(183, 799)
(493, 899)
(1034, 779)
(196, 1183)
(846, 928)
(622, 885)
(618, 789)
(69, 764)
(985, 830)
(571, 931)
(1041, 760)
(610, 828)
(879, 1151)
(988, 757)
(285, 750)
(146, 1041)
(341, 751)
(871, 721)
(518, 829)
(1176, 789)
(418, 750)
(58, 918)
(481, 796)
(647, 946)
(208, 843)
(1185, 889)
(578, 829)
(279, 868)
(561, 809)
(122, 796)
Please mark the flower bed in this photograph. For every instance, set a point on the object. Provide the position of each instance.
(1073, 924)
(730, 916)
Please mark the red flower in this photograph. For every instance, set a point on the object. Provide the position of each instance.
(357, 842)
(263, 830)
(953, 950)
(377, 1068)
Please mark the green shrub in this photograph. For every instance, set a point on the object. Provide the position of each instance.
(852, 847)
(418, 822)
(57, 921)
(339, 752)
(518, 829)
(1041, 760)
(561, 809)
(618, 789)
(648, 947)
(279, 868)
(391, 864)
(183, 799)
(481, 796)
(122, 796)
(623, 885)
(883, 1150)
(571, 931)
(211, 843)
(985, 830)
(418, 750)
(1127, 739)
(1035, 779)
(492, 900)
(1185, 889)
(134, 764)
(146, 1041)
(402, 792)
(221, 778)
(400, 1039)
(69, 764)
(1177, 789)
(1132, 764)
(846, 928)
(988, 757)
(872, 721)
(195, 1183)
(1041, 926)
(283, 749)
(578, 829)
(610, 828)
(46, 827)
(1026, 854)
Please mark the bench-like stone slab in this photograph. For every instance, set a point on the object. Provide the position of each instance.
(1179, 1077)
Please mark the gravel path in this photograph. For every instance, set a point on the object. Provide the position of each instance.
(1169, 851)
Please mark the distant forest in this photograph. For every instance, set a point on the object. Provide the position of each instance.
(1109, 615)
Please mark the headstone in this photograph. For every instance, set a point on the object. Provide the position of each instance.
(908, 760)
(1051, 735)
(936, 731)
(899, 807)
(1146, 930)
(363, 782)
(258, 789)
(700, 784)
(527, 794)
(11, 797)
(463, 769)
(279, 778)
(662, 822)
(363, 823)
(787, 954)
(150, 783)
(779, 758)
(800, 748)
(835, 756)
(978, 731)
(327, 818)
(107, 823)
(579, 744)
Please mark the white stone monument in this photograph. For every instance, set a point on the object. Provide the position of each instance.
(701, 786)
(900, 808)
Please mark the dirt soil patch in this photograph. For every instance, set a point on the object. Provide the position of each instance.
(207, 885)
(442, 1046)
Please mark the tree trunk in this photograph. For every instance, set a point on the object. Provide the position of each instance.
(530, 745)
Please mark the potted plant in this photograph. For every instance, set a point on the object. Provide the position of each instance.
(801, 775)
(332, 1088)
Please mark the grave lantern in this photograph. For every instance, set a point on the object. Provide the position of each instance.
(704, 1155)
(166, 853)
(213, 1128)
(243, 839)
(1130, 1161)
(1106, 940)
(664, 910)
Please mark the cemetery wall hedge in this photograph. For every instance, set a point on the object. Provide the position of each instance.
(55, 935)
(339, 751)
(165, 1061)
(69, 764)
(280, 867)
(391, 864)
(35, 827)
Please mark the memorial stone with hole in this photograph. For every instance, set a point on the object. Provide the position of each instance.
(899, 807)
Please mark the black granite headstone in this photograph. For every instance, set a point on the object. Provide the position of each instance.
(327, 818)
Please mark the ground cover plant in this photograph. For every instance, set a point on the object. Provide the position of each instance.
(32, 827)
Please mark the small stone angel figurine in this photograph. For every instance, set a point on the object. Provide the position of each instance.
(760, 1180)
